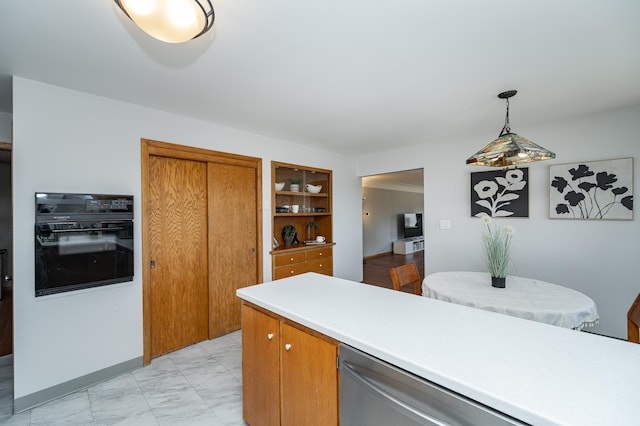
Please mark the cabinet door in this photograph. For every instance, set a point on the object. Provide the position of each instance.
(309, 379)
(260, 368)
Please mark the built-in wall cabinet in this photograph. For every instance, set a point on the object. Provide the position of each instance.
(302, 198)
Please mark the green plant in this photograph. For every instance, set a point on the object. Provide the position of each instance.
(289, 235)
(296, 180)
(497, 247)
(313, 224)
(289, 231)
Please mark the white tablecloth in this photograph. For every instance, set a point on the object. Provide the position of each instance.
(523, 297)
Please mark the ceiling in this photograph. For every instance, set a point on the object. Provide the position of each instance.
(407, 180)
(345, 75)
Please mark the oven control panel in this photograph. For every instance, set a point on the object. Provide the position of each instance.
(97, 204)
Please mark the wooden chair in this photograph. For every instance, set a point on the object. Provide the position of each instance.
(633, 322)
(406, 274)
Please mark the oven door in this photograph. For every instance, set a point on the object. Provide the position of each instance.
(75, 255)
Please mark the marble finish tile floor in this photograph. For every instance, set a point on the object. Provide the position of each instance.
(198, 385)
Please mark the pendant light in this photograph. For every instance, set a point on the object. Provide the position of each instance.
(171, 21)
(509, 149)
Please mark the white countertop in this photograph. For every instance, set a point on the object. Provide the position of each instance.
(538, 373)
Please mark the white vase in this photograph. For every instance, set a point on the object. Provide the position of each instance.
(294, 187)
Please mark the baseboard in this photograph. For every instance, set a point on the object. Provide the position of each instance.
(37, 398)
(388, 253)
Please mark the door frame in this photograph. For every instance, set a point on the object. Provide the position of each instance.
(165, 149)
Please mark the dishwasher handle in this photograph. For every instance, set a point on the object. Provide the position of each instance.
(387, 396)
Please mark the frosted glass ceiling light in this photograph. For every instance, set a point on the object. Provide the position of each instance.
(172, 21)
(509, 149)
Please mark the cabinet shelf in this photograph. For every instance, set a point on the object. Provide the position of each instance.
(302, 214)
(300, 247)
(303, 194)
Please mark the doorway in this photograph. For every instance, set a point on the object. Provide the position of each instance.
(6, 290)
(385, 200)
(201, 237)
(6, 252)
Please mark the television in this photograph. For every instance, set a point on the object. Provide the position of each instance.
(412, 224)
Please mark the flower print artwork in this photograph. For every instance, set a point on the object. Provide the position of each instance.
(502, 193)
(594, 190)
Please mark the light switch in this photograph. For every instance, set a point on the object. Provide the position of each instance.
(445, 224)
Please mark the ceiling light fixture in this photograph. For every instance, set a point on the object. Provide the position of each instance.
(171, 21)
(509, 149)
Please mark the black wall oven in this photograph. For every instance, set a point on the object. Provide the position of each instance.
(82, 241)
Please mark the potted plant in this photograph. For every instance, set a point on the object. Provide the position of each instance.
(497, 247)
(289, 235)
(312, 230)
(295, 184)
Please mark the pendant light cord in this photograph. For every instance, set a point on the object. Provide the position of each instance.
(506, 129)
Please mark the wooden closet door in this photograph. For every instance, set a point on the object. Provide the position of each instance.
(178, 247)
(232, 242)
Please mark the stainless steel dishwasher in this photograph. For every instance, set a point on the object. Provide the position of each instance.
(373, 392)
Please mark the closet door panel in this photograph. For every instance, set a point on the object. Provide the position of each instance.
(232, 242)
(178, 250)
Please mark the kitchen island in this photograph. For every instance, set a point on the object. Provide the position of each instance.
(537, 373)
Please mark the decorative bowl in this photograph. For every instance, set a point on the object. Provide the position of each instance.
(279, 186)
(314, 189)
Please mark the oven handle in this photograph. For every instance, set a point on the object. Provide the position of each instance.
(57, 231)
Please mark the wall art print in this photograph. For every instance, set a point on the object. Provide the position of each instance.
(592, 190)
(502, 193)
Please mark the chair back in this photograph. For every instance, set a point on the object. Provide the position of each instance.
(633, 321)
(406, 274)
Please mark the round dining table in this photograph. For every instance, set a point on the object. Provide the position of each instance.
(522, 297)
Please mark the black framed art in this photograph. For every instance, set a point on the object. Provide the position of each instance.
(502, 193)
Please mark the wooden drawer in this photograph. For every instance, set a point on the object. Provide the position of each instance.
(320, 253)
(319, 265)
(290, 270)
(290, 259)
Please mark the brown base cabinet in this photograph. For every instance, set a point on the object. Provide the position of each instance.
(307, 260)
(289, 373)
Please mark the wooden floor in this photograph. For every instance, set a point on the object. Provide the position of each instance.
(376, 269)
(6, 322)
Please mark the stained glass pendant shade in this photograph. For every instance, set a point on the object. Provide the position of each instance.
(509, 149)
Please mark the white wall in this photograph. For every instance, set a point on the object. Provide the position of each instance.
(599, 258)
(380, 228)
(68, 141)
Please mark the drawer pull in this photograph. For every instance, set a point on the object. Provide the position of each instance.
(320, 253)
(287, 346)
(270, 336)
(321, 265)
(292, 259)
(292, 271)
